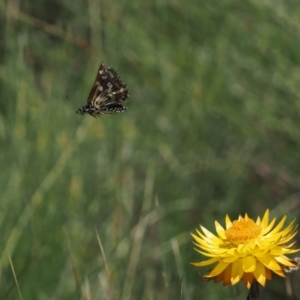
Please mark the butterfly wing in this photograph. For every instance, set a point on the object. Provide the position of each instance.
(106, 94)
(95, 89)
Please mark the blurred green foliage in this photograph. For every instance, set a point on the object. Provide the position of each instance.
(212, 129)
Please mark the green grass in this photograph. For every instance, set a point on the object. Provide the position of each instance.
(212, 129)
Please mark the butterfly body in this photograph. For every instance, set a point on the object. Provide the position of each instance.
(106, 94)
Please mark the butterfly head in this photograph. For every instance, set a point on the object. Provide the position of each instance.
(82, 110)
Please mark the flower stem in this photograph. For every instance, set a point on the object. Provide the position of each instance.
(254, 291)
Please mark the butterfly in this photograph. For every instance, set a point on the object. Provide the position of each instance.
(106, 95)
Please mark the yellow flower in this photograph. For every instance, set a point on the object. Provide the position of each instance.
(246, 250)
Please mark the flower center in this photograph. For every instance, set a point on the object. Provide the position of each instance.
(243, 231)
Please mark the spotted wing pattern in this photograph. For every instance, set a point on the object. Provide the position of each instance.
(106, 95)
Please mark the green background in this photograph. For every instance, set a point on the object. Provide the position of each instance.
(212, 128)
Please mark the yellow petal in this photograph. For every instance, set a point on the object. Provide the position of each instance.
(249, 264)
(205, 263)
(285, 261)
(269, 262)
(204, 238)
(279, 272)
(228, 222)
(204, 241)
(277, 251)
(279, 225)
(219, 268)
(269, 227)
(231, 251)
(200, 242)
(220, 231)
(260, 274)
(288, 228)
(209, 235)
(258, 221)
(237, 271)
(208, 254)
(230, 259)
(265, 220)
